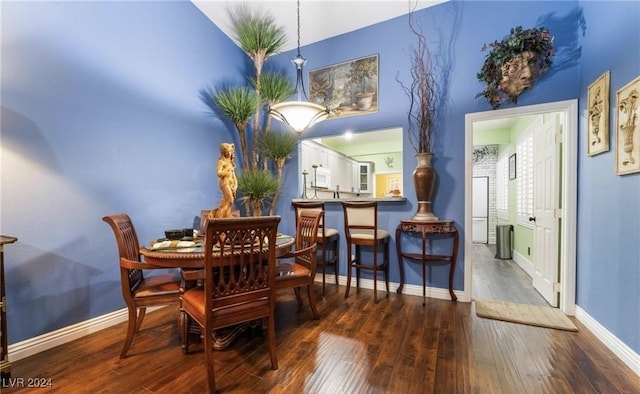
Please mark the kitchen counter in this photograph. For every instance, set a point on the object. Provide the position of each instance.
(339, 200)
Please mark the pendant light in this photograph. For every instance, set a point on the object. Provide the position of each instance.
(299, 115)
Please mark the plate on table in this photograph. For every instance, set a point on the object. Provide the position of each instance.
(164, 244)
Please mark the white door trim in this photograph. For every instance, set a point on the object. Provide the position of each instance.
(569, 193)
(546, 205)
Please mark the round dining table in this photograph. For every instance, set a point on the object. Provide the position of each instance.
(191, 262)
(189, 258)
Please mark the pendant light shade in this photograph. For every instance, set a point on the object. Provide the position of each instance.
(301, 114)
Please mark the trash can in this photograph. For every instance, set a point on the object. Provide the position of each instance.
(503, 241)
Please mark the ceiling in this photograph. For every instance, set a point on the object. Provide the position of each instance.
(344, 16)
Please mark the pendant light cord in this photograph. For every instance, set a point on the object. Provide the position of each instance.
(298, 27)
(299, 62)
(300, 114)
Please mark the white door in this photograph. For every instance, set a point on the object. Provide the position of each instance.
(546, 257)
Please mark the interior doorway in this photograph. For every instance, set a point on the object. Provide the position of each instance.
(568, 112)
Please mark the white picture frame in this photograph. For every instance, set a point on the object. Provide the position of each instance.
(598, 115)
(628, 128)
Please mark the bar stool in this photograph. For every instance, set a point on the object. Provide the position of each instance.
(328, 238)
(361, 229)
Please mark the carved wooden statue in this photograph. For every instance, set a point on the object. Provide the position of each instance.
(228, 181)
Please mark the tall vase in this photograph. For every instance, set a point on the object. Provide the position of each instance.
(424, 180)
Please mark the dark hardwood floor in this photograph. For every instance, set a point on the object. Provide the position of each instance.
(395, 346)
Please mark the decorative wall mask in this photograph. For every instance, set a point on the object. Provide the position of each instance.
(514, 64)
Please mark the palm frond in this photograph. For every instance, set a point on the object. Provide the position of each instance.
(275, 87)
(239, 103)
(277, 145)
(257, 184)
(256, 31)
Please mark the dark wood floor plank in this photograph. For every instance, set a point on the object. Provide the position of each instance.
(424, 373)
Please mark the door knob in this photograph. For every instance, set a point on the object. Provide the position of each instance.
(532, 218)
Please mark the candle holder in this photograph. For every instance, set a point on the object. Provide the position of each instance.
(304, 184)
(315, 187)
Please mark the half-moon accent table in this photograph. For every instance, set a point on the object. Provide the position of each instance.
(425, 229)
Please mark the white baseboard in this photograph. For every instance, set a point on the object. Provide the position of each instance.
(523, 263)
(409, 289)
(619, 348)
(31, 346)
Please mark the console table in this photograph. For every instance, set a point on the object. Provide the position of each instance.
(5, 366)
(425, 229)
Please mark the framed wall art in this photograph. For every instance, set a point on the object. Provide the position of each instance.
(512, 167)
(346, 89)
(598, 122)
(628, 128)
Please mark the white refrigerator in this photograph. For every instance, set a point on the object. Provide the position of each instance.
(480, 211)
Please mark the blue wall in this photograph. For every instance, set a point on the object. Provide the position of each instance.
(608, 258)
(452, 31)
(586, 45)
(100, 114)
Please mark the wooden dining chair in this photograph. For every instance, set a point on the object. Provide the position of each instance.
(239, 271)
(138, 291)
(361, 230)
(301, 271)
(204, 216)
(328, 239)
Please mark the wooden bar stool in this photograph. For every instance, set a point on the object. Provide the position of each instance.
(361, 229)
(328, 239)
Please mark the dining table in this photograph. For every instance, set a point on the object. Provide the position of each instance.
(188, 254)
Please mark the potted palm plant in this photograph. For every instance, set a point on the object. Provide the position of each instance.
(260, 38)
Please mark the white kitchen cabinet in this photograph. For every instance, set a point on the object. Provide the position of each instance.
(354, 171)
(364, 177)
(319, 155)
(333, 164)
(340, 171)
(348, 174)
(304, 153)
(312, 153)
